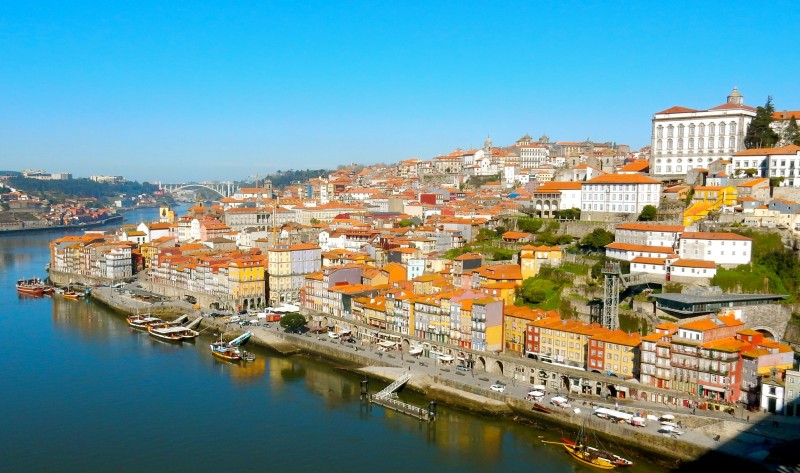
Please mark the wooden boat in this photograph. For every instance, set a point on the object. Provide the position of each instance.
(142, 322)
(590, 455)
(30, 287)
(226, 352)
(541, 408)
(172, 333)
(613, 458)
(70, 294)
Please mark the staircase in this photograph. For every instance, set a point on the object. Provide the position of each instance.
(390, 389)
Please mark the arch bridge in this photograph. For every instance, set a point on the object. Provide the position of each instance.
(223, 189)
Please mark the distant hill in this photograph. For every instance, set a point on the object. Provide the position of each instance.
(102, 191)
(282, 179)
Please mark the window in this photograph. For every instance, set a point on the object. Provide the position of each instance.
(721, 128)
(701, 129)
(680, 131)
(691, 129)
(710, 129)
(700, 143)
(670, 129)
(733, 128)
(669, 145)
(660, 131)
(691, 144)
(731, 142)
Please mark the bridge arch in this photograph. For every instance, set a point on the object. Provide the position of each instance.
(768, 331)
(195, 186)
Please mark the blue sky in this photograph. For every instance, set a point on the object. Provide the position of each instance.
(177, 91)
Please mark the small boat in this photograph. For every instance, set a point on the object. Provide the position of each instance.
(225, 352)
(70, 294)
(590, 455)
(142, 322)
(30, 287)
(538, 407)
(172, 333)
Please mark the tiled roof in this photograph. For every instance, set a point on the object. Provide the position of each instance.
(713, 236)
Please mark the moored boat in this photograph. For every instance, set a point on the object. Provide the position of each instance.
(70, 294)
(225, 352)
(594, 456)
(30, 287)
(142, 322)
(172, 333)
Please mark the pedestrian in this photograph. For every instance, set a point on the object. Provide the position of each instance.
(748, 418)
(694, 410)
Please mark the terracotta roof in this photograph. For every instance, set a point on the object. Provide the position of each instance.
(786, 115)
(643, 248)
(559, 186)
(731, 106)
(677, 109)
(645, 227)
(636, 166)
(754, 182)
(643, 260)
(694, 263)
(788, 149)
(622, 179)
(713, 236)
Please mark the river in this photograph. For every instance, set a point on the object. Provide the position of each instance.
(82, 392)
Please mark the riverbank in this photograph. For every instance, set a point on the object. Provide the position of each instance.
(52, 228)
(705, 436)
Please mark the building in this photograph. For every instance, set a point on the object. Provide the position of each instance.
(724, 249)
(618, 194)
(783, 162)
(648, 234)
(288, 267)
(684, 138)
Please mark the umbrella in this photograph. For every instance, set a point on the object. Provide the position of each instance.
(668, 416)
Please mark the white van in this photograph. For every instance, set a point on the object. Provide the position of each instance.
(333, 335)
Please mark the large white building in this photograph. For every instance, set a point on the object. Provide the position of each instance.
(725, 249)
(684, 138)
(770, 162)
(618, 193)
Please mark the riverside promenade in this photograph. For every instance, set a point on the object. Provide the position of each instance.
(706, 434)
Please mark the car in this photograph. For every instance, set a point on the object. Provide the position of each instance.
(462, 368)
(333, 335)
(498, 387)
(349, 340)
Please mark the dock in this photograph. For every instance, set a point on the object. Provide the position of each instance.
(387, 398)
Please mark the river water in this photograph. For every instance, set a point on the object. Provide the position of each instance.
(82, 392)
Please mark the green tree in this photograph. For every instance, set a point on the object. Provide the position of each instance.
(405, 223)
(773, 183)
(791, 134)
(569, 214)
(485, 234)
(293, 321)
(648, 214)
(530, 225)
(750, 172)
(597, 240)
(759, 133)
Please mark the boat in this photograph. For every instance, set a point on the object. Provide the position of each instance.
(594, 456)
(172, 333)
(230, 350)
(538, 407)
(142, 321)
(70, 294)
(225, 352)
(30, 287)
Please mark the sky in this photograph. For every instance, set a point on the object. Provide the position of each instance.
(196, 91)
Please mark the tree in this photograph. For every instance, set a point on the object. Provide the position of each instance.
(405, 223)
(750, 172)
(791, 135)
(597, 240)
(292, 321)
(530, 225)
(773, 183)
(759, 133)
(569, 214)
(648, 214)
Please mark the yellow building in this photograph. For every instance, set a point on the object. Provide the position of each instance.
(515, 326)
(532, 258)
(247, 282)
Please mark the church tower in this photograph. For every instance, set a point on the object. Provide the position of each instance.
(736, 97)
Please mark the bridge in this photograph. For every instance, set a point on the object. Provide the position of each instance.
(223, 189)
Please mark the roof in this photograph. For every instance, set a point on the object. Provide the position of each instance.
(646, 227)
(786, 115)
(643, 248)
(622, 179)
(694, 263)
(713, 236)
(754, 182)
(636, 166)
(788, 149)
(677, 109)
(705, 299)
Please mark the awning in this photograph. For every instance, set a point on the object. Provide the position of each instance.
(387, 344)
(446, 358)
(415, 351)
(713, 388)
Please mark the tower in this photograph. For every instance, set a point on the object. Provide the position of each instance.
(610, 318)
(736, 97)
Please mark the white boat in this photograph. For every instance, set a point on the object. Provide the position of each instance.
(415, 351)
(142, 322)
(172, 333)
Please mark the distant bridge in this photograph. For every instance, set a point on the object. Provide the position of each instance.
(224, 189)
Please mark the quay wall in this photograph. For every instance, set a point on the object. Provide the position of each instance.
(354, 358)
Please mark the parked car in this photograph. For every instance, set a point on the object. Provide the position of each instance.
(462, 368)
(498, 387)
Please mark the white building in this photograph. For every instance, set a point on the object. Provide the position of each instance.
(725, 249)
(569, 193)
(618, 193)
(648, 234)
(629, 251)
(684, 138)
(770, 162)
(692, 268)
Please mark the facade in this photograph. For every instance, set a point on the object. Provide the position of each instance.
(648, 234)
(288, 267)
(783, 162)
(618, 194)
(684, 139)
(725, 249)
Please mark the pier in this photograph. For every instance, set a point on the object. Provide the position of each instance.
(387, 398)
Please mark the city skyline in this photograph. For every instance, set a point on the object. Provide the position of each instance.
(225, 92)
